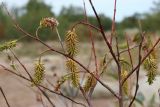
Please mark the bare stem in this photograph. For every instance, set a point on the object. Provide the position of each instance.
(4, 96)
(113, 21)
(92, 41)
(129, 52)
(86, 97)
(60, 40)
(103, 34)
(32, 78)
(119, 76)
(137, 72)
(106, 86)
(150, 51)
(5, 68)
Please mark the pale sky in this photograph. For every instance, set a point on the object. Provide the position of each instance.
(124, 7)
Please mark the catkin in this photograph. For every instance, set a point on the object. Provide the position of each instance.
(39, 73)
(89, 83)
(125, 67)
(150, 65)
(72, 67)
(125, 85)
(71, 42)
(8, 45)
(49, 22)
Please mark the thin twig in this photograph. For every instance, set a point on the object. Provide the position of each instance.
(106, 86)
(119, 76)
(102, 31)
(4, 96)
(42, 102)
(137, 72)
(86, 97)
(113, 21)
(126, 50)
(47, 97)
(129, 52)
(84, 23)
(37, 32)
(60, 40)
(103, 34)
(94, 52)
(150, 51)
(32, 78)
(92, 41)
(5, 68)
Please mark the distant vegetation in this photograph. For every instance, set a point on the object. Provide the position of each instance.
(29, 15)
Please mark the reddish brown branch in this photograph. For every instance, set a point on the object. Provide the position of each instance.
(29, 35)
(32, 78)
(103, 34)
(129, 52)
(86, 24)
(92, 41)
(113, 21)
(4, 96)
(86, 97)
(150, 51)
(106, 86)
(6, 69)
(137, 72)
(119, 76)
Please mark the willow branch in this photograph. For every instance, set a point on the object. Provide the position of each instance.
(86, 24)
(138, 69)
(129, 52)
(103, 34)
(49, 47)
(32, 78)
(4, 96)
(150, 51)
(113, 21)
(119, 76)
(6, 69)
(29, 35)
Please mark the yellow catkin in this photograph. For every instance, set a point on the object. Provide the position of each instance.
(71, 41)
(150, 65)
(89, 83)
(39, 73)
(8, 45)
(125, 85)
(72, 67)
(125, 65)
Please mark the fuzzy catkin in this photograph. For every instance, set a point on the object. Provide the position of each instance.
(150, 65)
(39, 73)
(71, 41)
(72, 67)
(49, 22)
(125, 85)
(8, 45)
(90, 82)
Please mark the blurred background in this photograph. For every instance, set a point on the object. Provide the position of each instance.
(28, 14)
